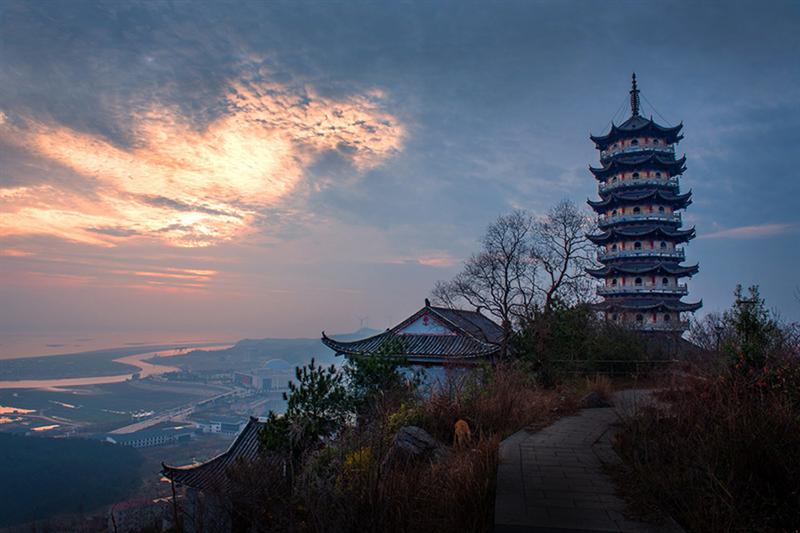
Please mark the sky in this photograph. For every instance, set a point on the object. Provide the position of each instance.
(232, 169)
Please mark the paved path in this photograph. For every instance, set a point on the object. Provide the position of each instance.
(553, 479)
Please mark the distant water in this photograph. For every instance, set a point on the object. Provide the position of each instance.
(137, 360)
(14, 345)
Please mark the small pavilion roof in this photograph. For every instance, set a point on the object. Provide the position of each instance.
(638, 126)
(647, 304)
(463, 335)
(634, 232)
(634, 269)
(678, 201)
(213, 474)
(648, 160)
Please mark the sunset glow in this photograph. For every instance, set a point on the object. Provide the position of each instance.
(193, 187)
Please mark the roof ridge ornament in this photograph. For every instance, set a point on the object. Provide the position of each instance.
(634, 97)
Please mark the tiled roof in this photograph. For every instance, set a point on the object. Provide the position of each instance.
(475, 336)
(644, 268)
(647, 304)
(637, 125)
(632, 197)
(651, 160)
(213, 474)
(652, 230)
(473, 322)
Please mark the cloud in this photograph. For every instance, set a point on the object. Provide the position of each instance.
(749, 232)
(188, 186)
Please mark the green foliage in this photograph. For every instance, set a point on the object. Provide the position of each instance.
(42, 476)
(553, 339)
(755, 333)
(318, 406)
(274, 436)
(376, 376)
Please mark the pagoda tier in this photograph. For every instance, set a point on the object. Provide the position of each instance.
(643, 269)
(616, 234)
(638, 126)
(641, 159)
(648, 195)
(640, 224)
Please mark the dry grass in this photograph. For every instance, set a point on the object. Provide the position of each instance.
(602, 385)
(349, 488)
(724, 456)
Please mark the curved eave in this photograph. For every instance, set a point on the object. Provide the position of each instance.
(428, 347)
(631, 233)
(679, 201)
(631, 304)
(661, 268)
(212, 474)
(649, 161)
(670, 134)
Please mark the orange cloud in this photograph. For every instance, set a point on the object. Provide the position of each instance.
(192, 187)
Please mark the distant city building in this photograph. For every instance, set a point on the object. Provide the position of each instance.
(150, 437)
(432, 336)
(640, 224)
(226, 425)
(274, 376)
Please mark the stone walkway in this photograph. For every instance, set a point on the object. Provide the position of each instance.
(553, 479)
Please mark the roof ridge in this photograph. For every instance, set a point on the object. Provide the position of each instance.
(236, 441)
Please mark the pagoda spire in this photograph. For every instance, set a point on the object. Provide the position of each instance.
(634, 97)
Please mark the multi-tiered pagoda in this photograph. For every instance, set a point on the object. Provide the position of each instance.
(639, 220)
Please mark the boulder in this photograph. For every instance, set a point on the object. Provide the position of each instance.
(412, 443)
(594, 400)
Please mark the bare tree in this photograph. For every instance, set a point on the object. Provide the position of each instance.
(525, 264)
(562, 252)
(500, 278)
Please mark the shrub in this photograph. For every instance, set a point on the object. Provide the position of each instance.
(724, 455)
(721, 458)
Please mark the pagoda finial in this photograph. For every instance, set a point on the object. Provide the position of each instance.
(634, 97)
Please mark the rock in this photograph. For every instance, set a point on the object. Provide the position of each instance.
(412, 443)
(594, 400)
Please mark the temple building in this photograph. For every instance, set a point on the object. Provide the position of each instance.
(433, 336)
(207, 485)
(639, 221)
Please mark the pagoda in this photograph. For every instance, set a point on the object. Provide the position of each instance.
(639, 223)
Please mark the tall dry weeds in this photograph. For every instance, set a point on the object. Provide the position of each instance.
(723, 456)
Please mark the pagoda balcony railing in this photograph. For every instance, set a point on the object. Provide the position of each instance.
(670, 149)
(644, 289)
(608, 220)
(669, 182)
(672, 325)
(678, 253)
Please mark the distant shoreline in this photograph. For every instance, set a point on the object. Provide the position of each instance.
(136, 362)
(105, 363)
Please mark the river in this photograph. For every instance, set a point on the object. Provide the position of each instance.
(145, 369)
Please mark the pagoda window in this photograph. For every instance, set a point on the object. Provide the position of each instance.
(635, 175)
(664, 281)
(614, 213)
(638, 282)
(663, 245)
(661, 209)
(613, 247)
(640, 318)
(635, 142)
(636, 210)
(666, 318)
(614, 282)
(658, 174)
(637, 245)
(615, 317)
